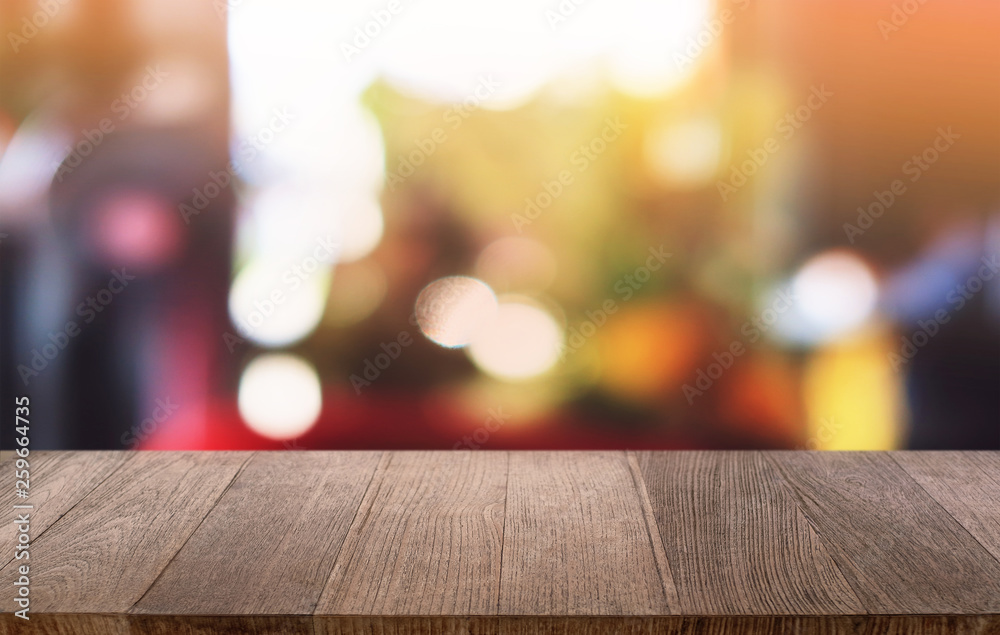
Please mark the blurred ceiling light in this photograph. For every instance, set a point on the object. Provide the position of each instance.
(832, 294)
(362, 227)
(451, 310)
(290, 71)
(280, 396)
(337, 141)
(523, 45)
(356, 292)
(137, 229)
(508, 44)
(297, 103)
(276, 303)
(517, 264)
(285, 220)
(644, 58)
(686, 153)
(520, 342)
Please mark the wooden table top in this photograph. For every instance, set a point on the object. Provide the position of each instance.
(506, 542)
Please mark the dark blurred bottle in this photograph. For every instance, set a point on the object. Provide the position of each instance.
(111, 304)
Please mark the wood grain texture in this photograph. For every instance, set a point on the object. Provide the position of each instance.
(748, 625)
(966, 484)
(59, 480)
(899, 549)
(284, 520)
(409, 625)
(426, 540)
(521, 543)
(736, 540)
(63, 624)
(108, 549)
(121, 624)
(220, 625)
(576, 539)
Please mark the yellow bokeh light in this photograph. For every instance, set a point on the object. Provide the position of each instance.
(853, 398)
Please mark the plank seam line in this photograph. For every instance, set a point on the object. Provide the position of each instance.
(383, 458)
(503, 533)
(794, 494)
(188, 539)
(943, 508)
(72, 507)
(670, 593)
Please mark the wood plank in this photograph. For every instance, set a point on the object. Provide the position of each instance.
(749, 625)
(59, 480)
(966, 484)
(63, 624)
(407, 625)
(736, 541)
(220, 625)
(427, 539)
(899, 549)
(269, 545)
(108, 549)
(576, 539)
(122, 624)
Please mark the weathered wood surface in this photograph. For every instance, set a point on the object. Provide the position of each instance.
(506, 542)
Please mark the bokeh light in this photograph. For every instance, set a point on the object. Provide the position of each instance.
(520, 342)
(834, 293)
(280, 396)
(451, 310)
(517, 264)
(686, 153)
(361, 229)
(137, 228)
(853, 398)
(275, 304)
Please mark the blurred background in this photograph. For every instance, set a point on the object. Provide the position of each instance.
(233, 224)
